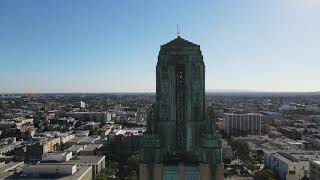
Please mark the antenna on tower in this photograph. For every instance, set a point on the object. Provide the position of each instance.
(178, 30)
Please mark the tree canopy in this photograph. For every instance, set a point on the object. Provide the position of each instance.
(265, 174)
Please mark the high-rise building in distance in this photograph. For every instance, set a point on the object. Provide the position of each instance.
(82, 104)
(242, 124)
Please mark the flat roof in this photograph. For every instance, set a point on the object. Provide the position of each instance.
(79, 139)
(244, 114)
(76, 147)
(317, 162)
(91, 147)
(81, 170)
(56, 153)
(5, 170)
(48, 165)
(89, 160)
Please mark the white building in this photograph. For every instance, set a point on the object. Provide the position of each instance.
(314, 170)
(48, 169)
(57, 156)
(288, 107)
(109, 116)
(313, 140)
(56, 171)
(291, 165)
(82, 104)
(242, 124)
(96, 162)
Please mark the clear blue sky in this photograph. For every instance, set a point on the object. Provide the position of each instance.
(112, 45)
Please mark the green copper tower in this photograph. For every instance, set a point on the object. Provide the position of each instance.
(180, 141)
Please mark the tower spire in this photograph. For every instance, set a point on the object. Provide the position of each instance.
(178, 30)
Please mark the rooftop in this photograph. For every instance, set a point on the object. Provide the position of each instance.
(91, 147)
(76, 148)
(180, 42)
(317, 162)
(298, 156)
(88, 160)
(80, 172)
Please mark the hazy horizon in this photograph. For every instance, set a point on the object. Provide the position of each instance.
(111, 46)
(227, 91)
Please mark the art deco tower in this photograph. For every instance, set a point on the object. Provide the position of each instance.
(180, 141)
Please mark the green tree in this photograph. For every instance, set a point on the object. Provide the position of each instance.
(111, 168)
(241, 149)
(100, 176)
(132, 176)
(265, 174)
(133, 163)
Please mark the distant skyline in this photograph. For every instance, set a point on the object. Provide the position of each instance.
(112, 46)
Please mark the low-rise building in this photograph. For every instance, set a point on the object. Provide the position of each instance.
(291, 132)
(96, 162)
(291, 165)
(49, 169)
(8, 169)
(57, 156)
(82, 140)
(89, 116)
(66, 137)
(314, 170)
(14, 123)
(55, 171)
(90, 150)
(35, 150)
(75, 149)
(92, 125)
(314, 140)
(81, 133)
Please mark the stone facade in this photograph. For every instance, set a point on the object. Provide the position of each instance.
(181, 141)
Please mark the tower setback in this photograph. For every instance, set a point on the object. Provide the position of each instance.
(180, 141)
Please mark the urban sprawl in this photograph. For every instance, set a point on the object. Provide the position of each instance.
(98, 136)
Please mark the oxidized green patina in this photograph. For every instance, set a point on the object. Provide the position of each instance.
(180, 127)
